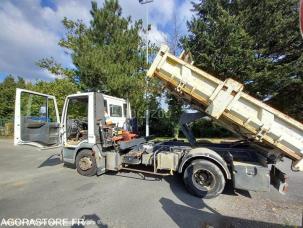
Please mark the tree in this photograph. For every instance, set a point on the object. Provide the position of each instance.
(218, 42)
(108, 54)
(7, 98)
(257, 42)
(60, 88)
(294, 92)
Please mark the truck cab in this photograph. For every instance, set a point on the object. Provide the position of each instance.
(37, 120)
(37, 123)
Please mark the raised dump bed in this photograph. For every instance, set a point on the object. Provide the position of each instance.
(234, 109)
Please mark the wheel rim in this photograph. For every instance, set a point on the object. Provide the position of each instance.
(85, 163)
(203, 179)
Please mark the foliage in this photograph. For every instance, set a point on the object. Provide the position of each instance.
(108, 54)
(282, 100)
(207, 129)
(60, 88)
(161, 123)
(257, 42)
(77, 108)
(175, 111)
(7, 98)
(56, 68)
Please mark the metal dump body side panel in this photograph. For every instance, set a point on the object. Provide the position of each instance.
(226, 102)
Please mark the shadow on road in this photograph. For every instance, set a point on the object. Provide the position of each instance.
(191, 215)
(185, 216)
(51, 161)
(178, 188)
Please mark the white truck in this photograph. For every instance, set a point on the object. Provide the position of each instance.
(94, 147)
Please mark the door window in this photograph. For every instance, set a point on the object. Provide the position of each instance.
(38, 120)
(77, 121)
(115, 110)
(34, 107)
(77, 108)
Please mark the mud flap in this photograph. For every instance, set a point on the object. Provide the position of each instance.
(278, 179)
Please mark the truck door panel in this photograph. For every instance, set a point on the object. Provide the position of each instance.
(36, 119)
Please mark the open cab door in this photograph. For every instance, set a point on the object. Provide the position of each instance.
(36, 119)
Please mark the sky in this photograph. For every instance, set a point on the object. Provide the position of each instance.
(31, 29)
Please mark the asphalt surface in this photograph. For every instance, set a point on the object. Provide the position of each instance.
(34, 184)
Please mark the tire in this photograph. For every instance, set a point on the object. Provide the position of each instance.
(86, 163)
(204, 179)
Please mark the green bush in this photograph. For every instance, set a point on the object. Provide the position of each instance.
(207, 129)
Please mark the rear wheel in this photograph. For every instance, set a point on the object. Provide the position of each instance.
(86, 163)
(204, 179)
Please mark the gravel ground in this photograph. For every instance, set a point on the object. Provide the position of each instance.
(34, 184)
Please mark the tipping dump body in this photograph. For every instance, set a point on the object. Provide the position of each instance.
(226, 102)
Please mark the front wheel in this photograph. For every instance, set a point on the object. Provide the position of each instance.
(204, 179)
(86, 163)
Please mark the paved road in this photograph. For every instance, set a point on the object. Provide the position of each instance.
(34, 184)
